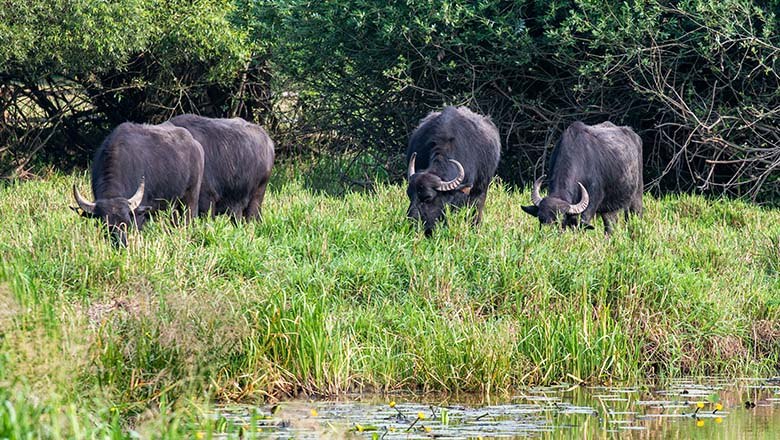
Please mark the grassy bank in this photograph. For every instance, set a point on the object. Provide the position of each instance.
(330, 294)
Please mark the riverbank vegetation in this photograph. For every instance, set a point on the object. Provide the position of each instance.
(332, 294)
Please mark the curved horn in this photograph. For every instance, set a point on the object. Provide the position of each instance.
(410, 172)
(584, 200)
(536, 198)
(85, 206)
(452, 184)
(135, 201)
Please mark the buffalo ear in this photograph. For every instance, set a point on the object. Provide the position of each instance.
(81, 212)
(532, 209)
(465, 190)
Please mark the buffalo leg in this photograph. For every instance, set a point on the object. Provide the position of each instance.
(480, 205)
(609, 218)
(236, 213)
(190, 206)
(253, 210)
(590, 212)
(207, 204)
(636, 205)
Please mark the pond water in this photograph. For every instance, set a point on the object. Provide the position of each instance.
(747, 408)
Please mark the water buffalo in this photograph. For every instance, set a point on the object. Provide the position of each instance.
(599, 167)
(139, 169)
(238, 160)
(457, 152)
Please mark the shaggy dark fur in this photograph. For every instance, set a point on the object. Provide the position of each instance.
(454, 133)
(238, 160)
(607, 160)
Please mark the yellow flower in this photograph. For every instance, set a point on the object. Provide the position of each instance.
(391, 429)
(427, 429)
(359, 428)
(199, 435)
(313, 412)
(700, 423)
(421, 415)
(700, 405)
(718, 407)
(718, 420)
(392, 404)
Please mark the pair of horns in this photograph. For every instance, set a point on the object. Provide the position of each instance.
(89, 207)
(536, 198)
(444, 186)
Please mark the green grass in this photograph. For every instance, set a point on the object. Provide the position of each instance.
(332, 294)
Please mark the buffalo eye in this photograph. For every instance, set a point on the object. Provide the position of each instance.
(427, 195)
(141, 210)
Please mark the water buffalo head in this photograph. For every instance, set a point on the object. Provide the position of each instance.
(117, 213)
(429, 194)
(553, 210)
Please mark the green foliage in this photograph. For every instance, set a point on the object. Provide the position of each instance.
(698, 79)
(73, 69)
(373, 69)
(76, 38)
(66, 37)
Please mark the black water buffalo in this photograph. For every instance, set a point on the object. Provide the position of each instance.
(599, 167)
(458, 152)
(139, 169)
(238, 160)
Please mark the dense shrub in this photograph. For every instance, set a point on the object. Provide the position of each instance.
(71, 69)
(349, 79)
(697, 78)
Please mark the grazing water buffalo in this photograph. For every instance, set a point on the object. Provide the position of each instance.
(599, 167)
(239, 156)
(140, 169)
(457, 152)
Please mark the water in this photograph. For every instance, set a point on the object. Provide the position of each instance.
(748, 408)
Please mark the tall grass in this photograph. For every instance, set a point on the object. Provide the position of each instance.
(332, 294)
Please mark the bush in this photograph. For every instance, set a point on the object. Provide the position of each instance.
(698, 79)
(72, 69)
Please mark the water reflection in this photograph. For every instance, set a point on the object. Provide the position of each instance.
(681, 409)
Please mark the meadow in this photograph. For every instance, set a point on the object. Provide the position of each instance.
(332, 294)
